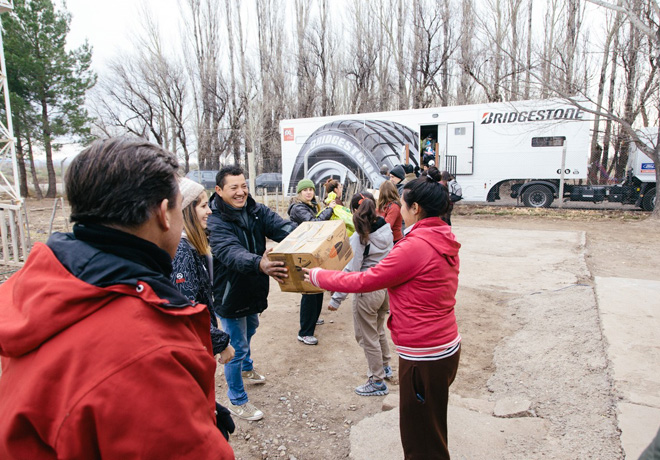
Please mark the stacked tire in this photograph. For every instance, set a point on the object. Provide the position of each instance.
(354, 148)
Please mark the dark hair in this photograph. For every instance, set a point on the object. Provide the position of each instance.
(231, 170)
(446, 176)
(429, 194)
(363, 206)
(120, 181)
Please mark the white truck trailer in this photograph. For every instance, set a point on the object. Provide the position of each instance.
(538, 146)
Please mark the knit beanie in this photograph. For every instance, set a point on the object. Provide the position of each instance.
(399, 172)
(190, 191)
(303, 184)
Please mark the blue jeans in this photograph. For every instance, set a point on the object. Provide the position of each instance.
(240, 331)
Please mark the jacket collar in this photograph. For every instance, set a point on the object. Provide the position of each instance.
(102, 256)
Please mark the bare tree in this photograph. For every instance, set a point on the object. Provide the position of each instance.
(596, 150)
(466, 58)
(210, 93)
(274, 81)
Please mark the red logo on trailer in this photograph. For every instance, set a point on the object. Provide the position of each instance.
(288, 134)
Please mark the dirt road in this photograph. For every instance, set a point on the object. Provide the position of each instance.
(308, 399)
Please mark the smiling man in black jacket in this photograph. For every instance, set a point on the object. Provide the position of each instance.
(238, 227)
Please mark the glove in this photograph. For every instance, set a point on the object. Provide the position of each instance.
(223, 420)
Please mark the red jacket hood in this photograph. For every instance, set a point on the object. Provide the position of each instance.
(437, 235)
(34, 310)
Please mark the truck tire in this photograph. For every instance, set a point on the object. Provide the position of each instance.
(537, 196)
(648, 202)
(356, 148)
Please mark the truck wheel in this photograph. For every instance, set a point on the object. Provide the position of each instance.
(355, 149)
(537, 196)
(648, 203)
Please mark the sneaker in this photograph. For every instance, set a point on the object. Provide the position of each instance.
(320, 321)
(308, 340)
(246, 411)
(372, 388)
(253, 377)
(388, 372)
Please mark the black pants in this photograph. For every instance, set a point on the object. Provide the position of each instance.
(310, 310)
(424, 394)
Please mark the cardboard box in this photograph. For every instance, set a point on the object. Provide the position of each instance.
(313, 244)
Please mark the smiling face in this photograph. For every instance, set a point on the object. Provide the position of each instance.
(234, 192)
(202, 209)
(307, 194)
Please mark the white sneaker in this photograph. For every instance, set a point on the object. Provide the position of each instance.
(246, 411)
(308, 340)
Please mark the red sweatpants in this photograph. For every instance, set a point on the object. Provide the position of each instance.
(424, 392)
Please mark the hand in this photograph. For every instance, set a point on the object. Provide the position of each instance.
(331, 308)
(332, 204)
(226, 355)
(271, 268)
(305, 274)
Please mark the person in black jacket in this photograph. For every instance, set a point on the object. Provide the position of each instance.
(304, 208)
(238, 227)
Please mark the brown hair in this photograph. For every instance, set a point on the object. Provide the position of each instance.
(387, 193)
(194, 230)
(363, 206)
(331, 184)
(120, 181)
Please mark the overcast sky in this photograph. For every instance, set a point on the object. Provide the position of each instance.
(108, 25)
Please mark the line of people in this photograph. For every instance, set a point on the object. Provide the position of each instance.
(109, 333)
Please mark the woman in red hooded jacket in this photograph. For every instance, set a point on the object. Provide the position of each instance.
(421, 276)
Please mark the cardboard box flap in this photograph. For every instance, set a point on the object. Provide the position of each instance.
(307, 237)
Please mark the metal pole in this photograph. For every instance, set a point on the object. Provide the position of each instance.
(561, 175)
(9, 134)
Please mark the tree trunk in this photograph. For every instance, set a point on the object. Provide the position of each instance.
(35, 179)
(596, 150)
(528, 66)
(467, 32)
(400, 61)
(48, 147)
(20, 160)
(514, 9)
(446, 51)
(570, 46)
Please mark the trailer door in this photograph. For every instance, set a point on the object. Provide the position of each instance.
(460, 145)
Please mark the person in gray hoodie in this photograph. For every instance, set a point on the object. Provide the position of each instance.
(371, 242)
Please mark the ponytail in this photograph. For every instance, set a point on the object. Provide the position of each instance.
(363, 206)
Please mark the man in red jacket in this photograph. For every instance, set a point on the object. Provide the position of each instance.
(101, 356)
